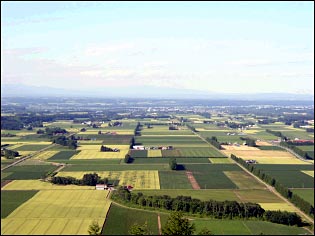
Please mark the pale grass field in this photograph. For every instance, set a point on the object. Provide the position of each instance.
(267, 157)
(243, 180)
(251, 131)
(52, 212)
(45, 155)
(97, 154)
(139, 179)
(308, 172)
(263, 143)
(154, 153)
(16, 146)
(98, 147)
(240, 148)
(41, 185)
(28, 143)
(119, 132)
(220, 160)
(277, 206)
(25, 153)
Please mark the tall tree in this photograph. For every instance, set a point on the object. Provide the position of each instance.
(137, 229)
(177, 225)
(94, 228)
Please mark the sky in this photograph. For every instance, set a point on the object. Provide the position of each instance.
(228, 47)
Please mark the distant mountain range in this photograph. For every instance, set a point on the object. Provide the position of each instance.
(9, 90)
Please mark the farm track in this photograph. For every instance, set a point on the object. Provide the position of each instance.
(271, 189)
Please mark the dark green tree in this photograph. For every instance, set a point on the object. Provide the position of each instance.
(205, 231)
(177, 225)
(137, 229)
(94, 228)
(173, 164)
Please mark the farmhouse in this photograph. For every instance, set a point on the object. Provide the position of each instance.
(251, 161)
(101, 187)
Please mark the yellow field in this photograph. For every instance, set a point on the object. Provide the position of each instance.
(154, 153)
(96, 154)
(263, 143)
(267, 157)
(243, 180)
(25, 153)
(277, 206)
(220, 160)
(98, 147)
(251, 131)
(58, 212)
(45, 155)
(139, 179)
(25, 133)
(41, 185)
(309, 172)
(28, 143)
(240, 148)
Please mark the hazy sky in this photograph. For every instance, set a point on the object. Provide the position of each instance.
(244, 47)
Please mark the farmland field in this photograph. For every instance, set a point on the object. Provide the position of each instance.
(93, 154)
(199, 152)
(28, 171)
(55, 210)
(45, 155)
(239, 227)
(126, 218)
(140, 179)
(243, 180)
(30, 147)
(138, 153)
(112, 167)
(41, 185)
(220, 160)
(154, 153)
(62, 155)
(10, 200)
(306, 194)
(174, 180)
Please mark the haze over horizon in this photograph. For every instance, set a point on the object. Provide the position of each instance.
(234, 47)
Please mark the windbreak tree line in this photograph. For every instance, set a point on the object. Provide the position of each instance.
(211, 208)
(284, 191)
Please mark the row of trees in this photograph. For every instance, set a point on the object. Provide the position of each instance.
(297, 150)
(191, 128)
(88, 179)
(216, 209)
(214, 141)
(173, 164)
(138, 129)
(277, 133)
(284, 191)
(212, 208)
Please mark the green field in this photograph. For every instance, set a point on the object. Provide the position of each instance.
(239, 227)
(200, 152)
(63, 155)
(28, 171)
(306, 194)
(126, 218)
(292, 179)
(174, 180)
(30, 147)
(138, 153)
(190, 141)
(10, 200)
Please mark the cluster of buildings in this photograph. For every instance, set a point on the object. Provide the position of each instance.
(137, 147)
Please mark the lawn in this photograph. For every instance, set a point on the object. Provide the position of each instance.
(10, 200)
(58, 212)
